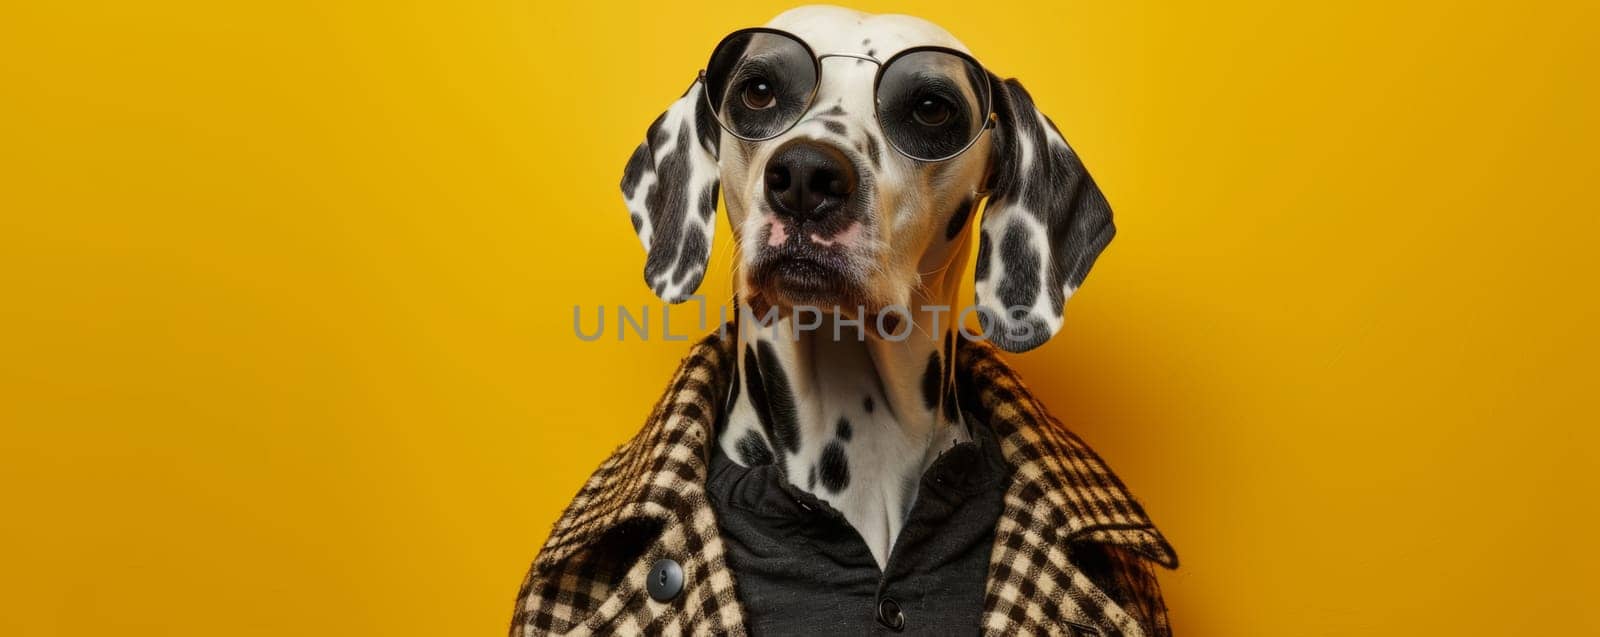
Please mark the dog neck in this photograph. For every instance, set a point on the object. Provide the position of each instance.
(855, 422)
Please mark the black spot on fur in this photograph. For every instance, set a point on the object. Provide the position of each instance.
(758, 396)
(657, 135)
(867, 404)
(930, 381)
(958, 219)
(874, 150)
(638, 222)
(837, 110)
(691, 258)
(753, 451)
(950, 406)
(769, 392)
(638, 163)
(834, 127)
(835, 468)
(843, 429)
(1020, 286)
(811, 479)
(980, 270)
(705, 124)
(708, 201)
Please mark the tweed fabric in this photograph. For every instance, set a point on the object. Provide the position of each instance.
(1072, 543)
(1073, 551)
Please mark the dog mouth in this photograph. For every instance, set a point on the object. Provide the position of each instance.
(812, 278)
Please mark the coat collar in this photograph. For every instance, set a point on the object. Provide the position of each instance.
(659, 476)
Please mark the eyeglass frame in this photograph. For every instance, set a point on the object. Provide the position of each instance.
(990, 118)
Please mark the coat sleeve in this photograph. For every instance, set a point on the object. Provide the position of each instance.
(1130, 581)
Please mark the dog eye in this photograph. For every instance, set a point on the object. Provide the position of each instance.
(932, 111)
(758, 94)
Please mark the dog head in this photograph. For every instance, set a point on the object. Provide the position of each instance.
(852, 151)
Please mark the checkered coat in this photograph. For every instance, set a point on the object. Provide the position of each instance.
(1073, 551)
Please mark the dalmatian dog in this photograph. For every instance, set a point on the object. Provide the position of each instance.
(853, 152)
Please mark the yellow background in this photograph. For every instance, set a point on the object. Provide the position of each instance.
(286, 347)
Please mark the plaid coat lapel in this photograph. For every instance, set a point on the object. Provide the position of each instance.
(1071, 556)
(646, 502)
(1068, 543)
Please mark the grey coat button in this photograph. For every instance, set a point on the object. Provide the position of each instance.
(665, 580)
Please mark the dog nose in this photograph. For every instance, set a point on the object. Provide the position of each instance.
(808, 180)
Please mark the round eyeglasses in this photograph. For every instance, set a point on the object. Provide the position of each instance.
(933, 103)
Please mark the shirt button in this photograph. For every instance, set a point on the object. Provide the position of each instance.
(665, 580)
(890, 616)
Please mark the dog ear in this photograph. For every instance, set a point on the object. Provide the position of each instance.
(1045, 223)
(670, 186)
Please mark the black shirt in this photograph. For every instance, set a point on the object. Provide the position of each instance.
(800, 568)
